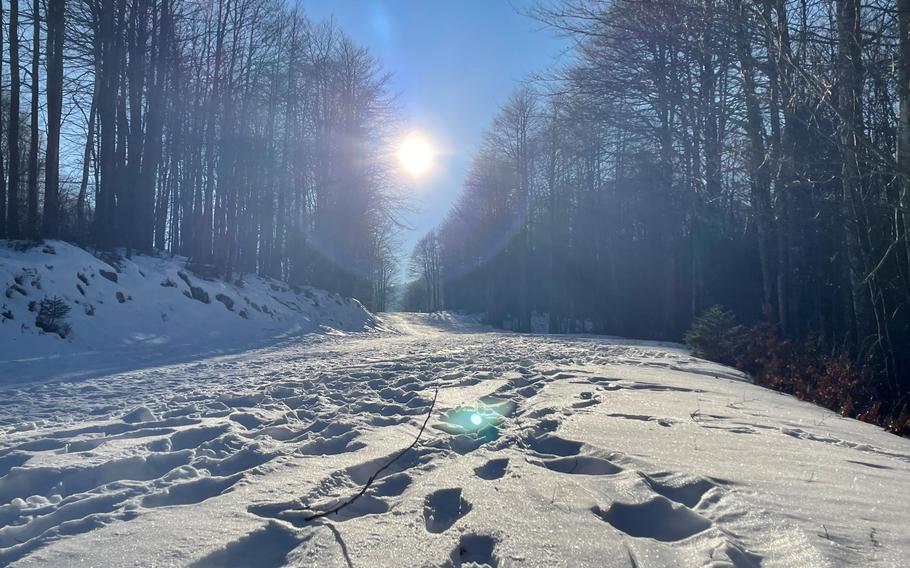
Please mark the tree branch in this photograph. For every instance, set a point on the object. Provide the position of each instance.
(378, 471)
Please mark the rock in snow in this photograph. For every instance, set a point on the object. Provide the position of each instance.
(541, 451)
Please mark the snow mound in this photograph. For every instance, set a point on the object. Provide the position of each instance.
(123, 312)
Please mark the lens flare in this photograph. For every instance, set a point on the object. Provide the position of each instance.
(481, 421)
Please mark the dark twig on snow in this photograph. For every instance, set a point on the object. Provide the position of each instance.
(373, 477)
(632, 560)
(344, 547)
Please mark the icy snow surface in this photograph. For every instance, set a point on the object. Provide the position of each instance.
(541, 451)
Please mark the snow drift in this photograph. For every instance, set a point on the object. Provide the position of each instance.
(123, 312)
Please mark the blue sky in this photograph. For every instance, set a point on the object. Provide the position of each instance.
(454, 63)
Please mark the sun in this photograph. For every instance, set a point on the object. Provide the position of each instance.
(415, 154)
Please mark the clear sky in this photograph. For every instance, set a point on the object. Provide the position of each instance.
(454, 62)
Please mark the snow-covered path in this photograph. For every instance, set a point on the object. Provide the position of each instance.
(541, 451)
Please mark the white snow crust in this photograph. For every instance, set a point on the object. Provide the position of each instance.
(589, 451)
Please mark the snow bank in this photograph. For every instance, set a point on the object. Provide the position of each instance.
(125, 312)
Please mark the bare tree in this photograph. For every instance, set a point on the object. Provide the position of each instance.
(13, 221)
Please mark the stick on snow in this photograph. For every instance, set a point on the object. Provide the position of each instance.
(378, 471)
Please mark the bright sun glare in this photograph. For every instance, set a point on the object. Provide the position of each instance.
(415, 154)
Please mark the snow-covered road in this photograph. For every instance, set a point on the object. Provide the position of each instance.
(540, 451)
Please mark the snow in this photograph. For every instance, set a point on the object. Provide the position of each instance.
(142, 310)
(591, 451)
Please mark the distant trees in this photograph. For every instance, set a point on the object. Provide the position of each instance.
(425, 267)
(701, 152)
(235, 132)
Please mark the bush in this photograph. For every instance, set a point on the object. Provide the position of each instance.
(716, 336)
(52, 313)
(824, 376)
(899, 423)
(830, 379)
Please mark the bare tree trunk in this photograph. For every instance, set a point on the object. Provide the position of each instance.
(205, 234)
(147, 172)
(56, 21)
(850, 107)
(552, 158)
(12, 209)
(758, 162)
(137, 231)
(788, 139)
(107, 117)
(86, 163)
(2, 173)
(32, 219)
(903, 130)
(154, 128)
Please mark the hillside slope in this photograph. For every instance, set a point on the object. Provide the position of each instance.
(143, 310)
(550, 451)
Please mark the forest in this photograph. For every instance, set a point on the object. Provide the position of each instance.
(457, 283)
(233, 132)
(747, 154)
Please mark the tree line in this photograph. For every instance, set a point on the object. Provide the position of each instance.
(234, 132)
(749, 153)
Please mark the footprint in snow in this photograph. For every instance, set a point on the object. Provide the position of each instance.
(580, 465)
(685, 491)
(493, 469)
(587, 400)
(393, 485)
(550, 444)
(443, 508)
(657, 518)
(266, 548)
(475, 550)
